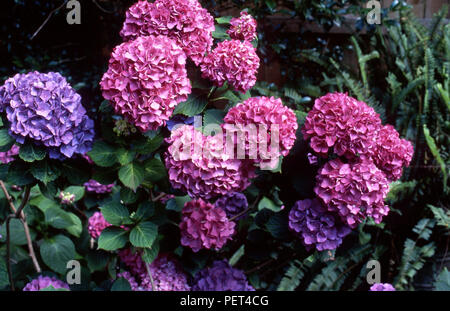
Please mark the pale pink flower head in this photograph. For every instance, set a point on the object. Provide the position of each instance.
(198, 165)
(243, 27)
(259, 119)
(97, 223)
(353, 190)
(146, 79)
(204, 226)
(392, 153)
(344, 123)
(184, 21)
(232, 61)
(8, 156)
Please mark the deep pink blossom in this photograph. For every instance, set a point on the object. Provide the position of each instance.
(204, 226)
(94, 186)
(146, 79)
(97, 223)
(243, 27)
(184, 21)
(232, 61)
(42, 282)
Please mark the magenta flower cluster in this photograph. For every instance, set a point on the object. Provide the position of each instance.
(243, 27)
(94, 186)
(184, 21)
(233, 203)
(166, 273)
(316, 226)
(8, 156)
(353, 190)
(197, 165)
(44, 108)
(382, 287)
(232, 61)
(96, 224)
(42, 282)
(146, 79)
(204, 226)
(220, 276)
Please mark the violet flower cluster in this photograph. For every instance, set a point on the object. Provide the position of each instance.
(197, 165)
(42, 282)
(204, 226)
(316, 226)
(232, 61)
(96, 224)
(184, 21)
(44, 108)
(94, 186)
(146, 79)
(233, 203)
(243, 27)
(382, 287)
(8, 156)
(220, 276)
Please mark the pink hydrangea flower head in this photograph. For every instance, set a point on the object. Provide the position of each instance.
(184, 21)
(8, 156)
(94, 186)
(342, 122)
(133, 260)
(197, 165)
(392, 153)
(233, 61)
(130, 278)
(204, 226)
(146, 79)
(96, 224)
(382, 287)
(355, 191)
(43, 282)
(243, 27)
(256, 120)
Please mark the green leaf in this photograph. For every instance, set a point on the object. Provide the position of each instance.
(268, 204)
(125, 156)
(44, 171)
(148, 145)
(76, 228)
(52, 289)
(17, 231)
(31, 153)
(112, 238)
(223, 19)
(176, 204)
(121, 285)
(77, 191)
(150, 254)
(213, 116)
(4, 281)
(144, 234)
(56, 252)
(194, 105)
(144, 211)
(132, 175)
(43, 203)
(435, 151)
(103, 154)
(443, 281)
(115, 213)
(58, 218)
(18, 174)
(237, 255)
(220, 33)
(154, 170)
(6, 141)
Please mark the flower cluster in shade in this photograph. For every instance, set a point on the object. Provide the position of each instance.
(354, 130)
(166, 273)
(45, 109)
(267, 117)
(382, 287)
(233, 203)
(316, 226)
(66, 197)
(8, 156)
(220, 276)
(204, 226)
(243, 27)
(145, 80)
(184, 21)
(94, 186)
(353, 190)
(96, 224)
(232, 61)
(197, 165)
(42, 282)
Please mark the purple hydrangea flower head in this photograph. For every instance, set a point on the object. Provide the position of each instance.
(204, 226)
(184, 21)
(233, 61)
(382, 287)
(243, 27)
(316, 226)
(130, 278)
(97, 223)
(95, 186)
(8, 156)
(179, 119)
(197, 165)
(132, 259)
(353, 190)
(220, 276)
(146, 79)
(44, 108)
(233, 203)
(43, 282)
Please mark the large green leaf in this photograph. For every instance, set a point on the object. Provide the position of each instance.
(154, 170)
(103, 154)
(44, 171)
(150, 254)
(121, 285)
(115, 213)
(132, 175)
(194, 105)
(58, 218)
(31, 153)
(112, 238)
(17, 231)
(56, 252)
(144, 234)
(6, 141)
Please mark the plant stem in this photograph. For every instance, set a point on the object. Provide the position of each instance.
(150, 276)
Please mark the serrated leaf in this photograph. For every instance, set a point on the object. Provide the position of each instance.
(31, 153)
(112, 238)
(125, 156)
(6, 141)
(56, 252)
(58, 218)
(44, 171)
(103, 154)
(132, 175)
(154, 170)
(150, 254)
(115, 213)
(144, 234)
(194, 105)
